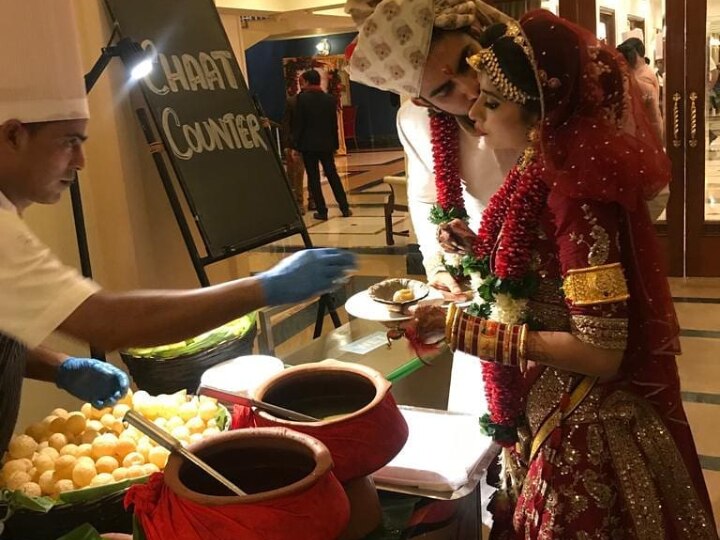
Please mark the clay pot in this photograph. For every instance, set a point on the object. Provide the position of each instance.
(330, 390)
(268, 464)
(265, 463)
(365, 510)
(360, 424)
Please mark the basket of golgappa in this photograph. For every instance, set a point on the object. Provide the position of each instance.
(74, 467)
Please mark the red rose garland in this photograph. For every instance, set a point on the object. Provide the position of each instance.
(510, 221)
(494, 215)
(521, 224)
(444, 137)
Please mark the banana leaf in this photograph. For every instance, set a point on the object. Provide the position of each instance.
(232, 330)
(93, 493)
(17, 500)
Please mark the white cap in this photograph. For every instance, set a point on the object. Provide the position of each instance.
(41, 74)
(634, 33)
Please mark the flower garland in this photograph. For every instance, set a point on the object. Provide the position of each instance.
(503, 253)
(444, 136)
(500, 267)
(445, 139)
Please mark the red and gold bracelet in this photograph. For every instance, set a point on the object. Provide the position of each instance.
(488, 340)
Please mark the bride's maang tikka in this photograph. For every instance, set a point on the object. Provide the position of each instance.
(486, 60)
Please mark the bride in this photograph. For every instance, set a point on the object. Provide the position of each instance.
(573, 318)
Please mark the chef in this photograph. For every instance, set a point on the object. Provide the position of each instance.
(43, 124)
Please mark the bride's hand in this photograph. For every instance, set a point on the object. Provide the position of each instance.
(428, 322)
(456, 237)
(448, 287)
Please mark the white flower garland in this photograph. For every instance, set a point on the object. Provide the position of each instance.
(454, 260)
(505, 309)
(508, 310)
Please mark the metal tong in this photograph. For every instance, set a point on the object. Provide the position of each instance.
(164, 439)
(239, 399)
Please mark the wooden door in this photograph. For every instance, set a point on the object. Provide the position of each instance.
(702, 137)
(689, 48)
(693, 126)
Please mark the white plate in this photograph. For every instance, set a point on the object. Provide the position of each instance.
(362, 306)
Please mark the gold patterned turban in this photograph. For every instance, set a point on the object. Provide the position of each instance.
(394, 37)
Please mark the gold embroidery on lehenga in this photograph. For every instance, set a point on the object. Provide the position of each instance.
(650, 480)
(635, 480)
(646, 459)
(603, 494)
(603, 332)
(587, 411)
(570, 459)
(544, 396)
(554, 508)
(577, 504)
(522, 515)
(599, 250)
(596, 446)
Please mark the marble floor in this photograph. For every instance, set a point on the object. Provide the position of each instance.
(697, 300)
(362, 175)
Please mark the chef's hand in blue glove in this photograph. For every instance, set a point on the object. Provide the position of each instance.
(304, 274)
(100, 383)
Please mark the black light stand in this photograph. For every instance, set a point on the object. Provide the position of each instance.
(132, 54)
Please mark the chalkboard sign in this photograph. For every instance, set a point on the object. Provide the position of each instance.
(223, 159)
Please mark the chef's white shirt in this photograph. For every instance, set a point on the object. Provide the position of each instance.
(37, 291)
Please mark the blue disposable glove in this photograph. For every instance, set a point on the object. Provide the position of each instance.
(100, 383)
(304, 274)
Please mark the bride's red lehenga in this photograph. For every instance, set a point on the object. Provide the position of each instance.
(600, 458)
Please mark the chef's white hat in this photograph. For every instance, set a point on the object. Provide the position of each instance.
(41, 75)
(634, 33)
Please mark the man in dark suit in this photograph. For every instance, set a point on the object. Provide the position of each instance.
(293, 162)
(315, 135)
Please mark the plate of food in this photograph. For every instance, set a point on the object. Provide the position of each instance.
(388, 301)
(398, 294)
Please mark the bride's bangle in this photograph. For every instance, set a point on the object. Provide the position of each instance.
(452, 317)
(490, 341)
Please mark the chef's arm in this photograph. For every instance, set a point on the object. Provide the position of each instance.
(112, 321)
(146, 318)
(42, 364)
